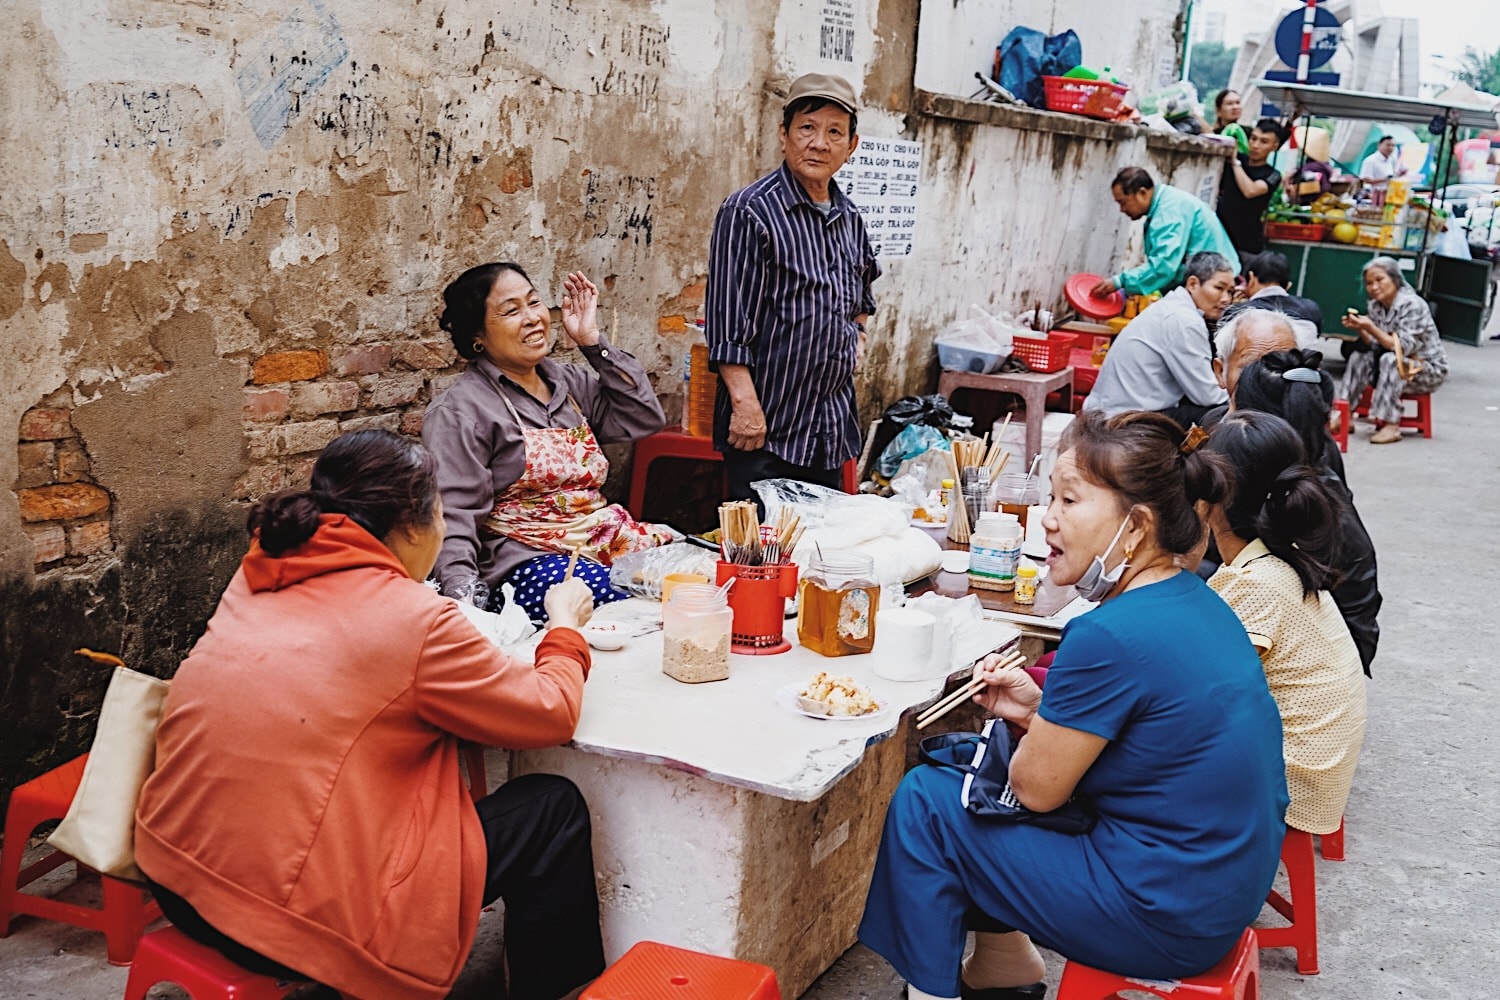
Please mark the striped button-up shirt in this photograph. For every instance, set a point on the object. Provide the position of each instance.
(784, 286)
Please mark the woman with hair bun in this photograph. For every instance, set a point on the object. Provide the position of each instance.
(1155, 709)
(1278, 535)
(307, 816)
(517, 441)
(1292, 385)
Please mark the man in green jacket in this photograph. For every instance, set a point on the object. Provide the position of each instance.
(1178, 225)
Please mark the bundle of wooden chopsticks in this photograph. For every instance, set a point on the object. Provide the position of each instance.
(973, 686)
(970, 453)
(743, 540)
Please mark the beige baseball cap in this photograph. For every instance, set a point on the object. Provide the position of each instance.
(824, 85)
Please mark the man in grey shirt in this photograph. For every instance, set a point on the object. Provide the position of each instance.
(1163, 361)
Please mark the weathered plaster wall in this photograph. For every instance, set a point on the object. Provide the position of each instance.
(225, 228)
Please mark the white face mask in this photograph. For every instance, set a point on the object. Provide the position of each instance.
(1096, 581)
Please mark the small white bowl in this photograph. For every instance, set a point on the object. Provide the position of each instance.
(955, 561)
(604, 636)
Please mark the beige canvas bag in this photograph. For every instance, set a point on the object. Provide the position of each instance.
(99, 829)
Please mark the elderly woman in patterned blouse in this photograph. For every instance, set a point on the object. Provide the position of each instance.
(1398, 318)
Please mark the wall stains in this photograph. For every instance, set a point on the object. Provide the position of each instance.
(281, 70)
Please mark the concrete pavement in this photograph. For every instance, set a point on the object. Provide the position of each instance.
(1412, 913)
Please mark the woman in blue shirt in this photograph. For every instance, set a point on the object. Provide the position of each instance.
(1156, 709)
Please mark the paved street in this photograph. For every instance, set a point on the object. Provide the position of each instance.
(1412, 912)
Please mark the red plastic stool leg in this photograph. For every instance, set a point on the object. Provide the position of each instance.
(1342, 434)
(1363, 407)
(1301, 909)
(1333, 843)
(1423, 421)
(1236, 977)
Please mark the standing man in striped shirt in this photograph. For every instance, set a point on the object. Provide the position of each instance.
(789, 274)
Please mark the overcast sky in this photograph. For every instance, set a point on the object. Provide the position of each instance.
(1447, 26)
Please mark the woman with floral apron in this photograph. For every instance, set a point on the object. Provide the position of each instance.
(517, 440)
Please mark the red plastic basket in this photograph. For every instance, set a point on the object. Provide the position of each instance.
(1305, 232)
(1064, 93)
(1050, 355)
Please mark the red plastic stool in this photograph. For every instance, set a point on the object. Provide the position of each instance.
(126, 910)
(1301, 909)
(651, 971)
(671, 442)
(1342, 434)
(1333, 843)
(170, 956)
(1236, 977)
(1422, 421)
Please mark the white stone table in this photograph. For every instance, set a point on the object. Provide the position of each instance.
(724, 822)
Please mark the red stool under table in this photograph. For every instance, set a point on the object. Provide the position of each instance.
(1422, 421)
(170, 956)
(651, 971)
(1342, 434)
(672, 442)
(126, 910)
(1236, 977)
(1333, 843)
(1302, 906)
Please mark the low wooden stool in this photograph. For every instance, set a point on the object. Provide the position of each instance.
(1032, 387)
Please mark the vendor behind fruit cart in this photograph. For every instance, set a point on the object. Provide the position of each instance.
(1383, 164)
(517, 441)
(1246, 188)
(1178, 225)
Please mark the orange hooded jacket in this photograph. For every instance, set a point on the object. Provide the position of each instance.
(307, 797)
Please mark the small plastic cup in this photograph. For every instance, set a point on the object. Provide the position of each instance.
(672, 581)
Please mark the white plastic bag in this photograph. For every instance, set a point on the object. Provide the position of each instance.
(507, 628)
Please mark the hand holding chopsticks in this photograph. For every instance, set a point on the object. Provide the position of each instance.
(1007, 661)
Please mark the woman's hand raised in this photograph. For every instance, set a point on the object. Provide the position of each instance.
(1011, 694)
(569, 604)
(580, 310)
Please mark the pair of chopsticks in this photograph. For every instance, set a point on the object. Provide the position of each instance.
(967, 691)
(785, 534)
(739, 532)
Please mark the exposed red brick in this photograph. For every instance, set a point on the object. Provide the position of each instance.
(288, 366)
(516, 177)
(370, 360)
(36, 463)
(671, 324)
(48, 543)
(426, 354)
(88, 539)
(46, 424)
(317, 398)
(401, 390)
(265, 406)
(313, 435)
(411, 423)
(381, 421)
(259, 481)
(695, 292)
(72, 463)
(63, 502)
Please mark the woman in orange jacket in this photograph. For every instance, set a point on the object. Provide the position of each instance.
(307, 816)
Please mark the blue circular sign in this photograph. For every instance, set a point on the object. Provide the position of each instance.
(1325, 37)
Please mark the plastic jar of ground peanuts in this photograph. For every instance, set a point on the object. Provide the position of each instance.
(695, 631)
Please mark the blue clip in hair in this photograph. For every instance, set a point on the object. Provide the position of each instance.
(1303, 375)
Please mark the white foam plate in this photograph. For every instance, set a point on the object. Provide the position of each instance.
(787, 697)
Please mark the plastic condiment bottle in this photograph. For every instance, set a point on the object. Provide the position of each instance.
(1025, 585)
(995, 551)
(947, 492)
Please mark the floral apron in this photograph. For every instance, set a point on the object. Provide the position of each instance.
(556, 504)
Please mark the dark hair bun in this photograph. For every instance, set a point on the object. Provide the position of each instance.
(284, 520)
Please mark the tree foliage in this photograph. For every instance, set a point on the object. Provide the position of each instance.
(1209, 67)
(1480, 70)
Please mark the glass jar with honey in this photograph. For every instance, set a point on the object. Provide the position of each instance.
(836, 604)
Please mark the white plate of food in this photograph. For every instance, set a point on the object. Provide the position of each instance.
(832, 699)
